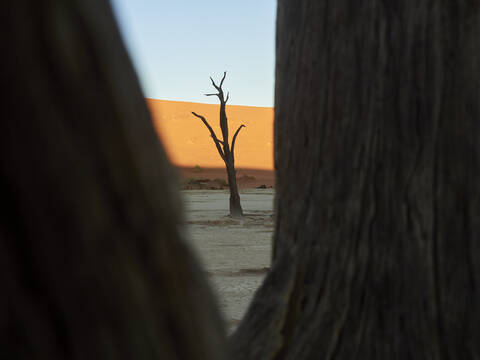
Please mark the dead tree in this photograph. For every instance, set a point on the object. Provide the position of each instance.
(226, 152)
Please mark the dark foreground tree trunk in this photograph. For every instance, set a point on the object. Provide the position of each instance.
(377, 245)
(92, 263)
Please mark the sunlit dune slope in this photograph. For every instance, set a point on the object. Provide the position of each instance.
(188, 141)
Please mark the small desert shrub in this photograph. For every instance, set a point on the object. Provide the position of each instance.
(197, 169)
(220, 182)
(190, 181)
(196, 181)
(246, 177)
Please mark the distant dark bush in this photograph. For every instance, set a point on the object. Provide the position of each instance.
(197, 169)
(246, 177)
(190, 181)
(221, 182)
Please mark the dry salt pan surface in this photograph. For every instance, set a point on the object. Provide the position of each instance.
(235, 252)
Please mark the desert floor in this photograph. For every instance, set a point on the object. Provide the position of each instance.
(235, 253)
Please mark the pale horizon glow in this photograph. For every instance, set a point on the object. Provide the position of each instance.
(177, 45)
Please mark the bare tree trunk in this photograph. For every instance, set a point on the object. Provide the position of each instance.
(235, 206)
(377, 157)
(92, 261)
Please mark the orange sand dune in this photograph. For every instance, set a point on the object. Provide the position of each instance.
(188, 142)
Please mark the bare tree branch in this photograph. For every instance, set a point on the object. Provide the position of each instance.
(219, 88)
(228, 96)
(223, 78)
(212, 133)
(215, 85)
(235, 138)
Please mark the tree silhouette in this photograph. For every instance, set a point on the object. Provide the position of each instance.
(226, 152)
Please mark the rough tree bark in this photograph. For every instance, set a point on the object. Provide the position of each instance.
(92, 261)
(377, 249)
(226, 153)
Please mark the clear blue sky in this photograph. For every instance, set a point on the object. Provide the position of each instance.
(177, 45)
